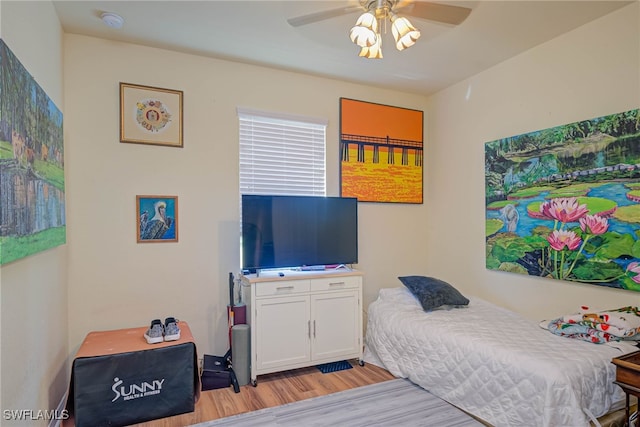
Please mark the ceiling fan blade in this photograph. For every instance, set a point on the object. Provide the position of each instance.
(321, 16)
(437, 12)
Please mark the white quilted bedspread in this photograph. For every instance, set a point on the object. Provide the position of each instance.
(492, 362)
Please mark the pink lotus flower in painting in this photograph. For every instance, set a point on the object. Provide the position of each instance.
(563, 209)
(594, 224)
(634, 267)
(558, 239)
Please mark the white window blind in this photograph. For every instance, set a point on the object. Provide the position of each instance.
(281, 154)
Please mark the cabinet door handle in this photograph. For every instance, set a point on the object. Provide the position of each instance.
(314, 329)
(336, 284)
(309, 328)
(282, 288)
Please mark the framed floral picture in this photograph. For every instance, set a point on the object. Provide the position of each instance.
(150, 115)
(156, 219)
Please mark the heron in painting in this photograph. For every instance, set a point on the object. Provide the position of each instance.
(510, 216)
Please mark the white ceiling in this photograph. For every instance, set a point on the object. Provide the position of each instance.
(257, 32)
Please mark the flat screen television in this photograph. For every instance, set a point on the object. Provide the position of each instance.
(297, 231)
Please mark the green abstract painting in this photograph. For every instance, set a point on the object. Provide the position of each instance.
(32, 202)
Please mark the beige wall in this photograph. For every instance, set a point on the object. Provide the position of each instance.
(115, 282)
(33, 291)
(587, 73)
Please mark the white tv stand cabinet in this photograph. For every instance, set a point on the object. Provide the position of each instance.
(303, 318)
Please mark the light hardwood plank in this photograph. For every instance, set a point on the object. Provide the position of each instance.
(273, 390)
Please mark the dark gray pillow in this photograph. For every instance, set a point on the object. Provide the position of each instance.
(433, 293)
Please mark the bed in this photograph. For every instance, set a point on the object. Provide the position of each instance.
(493, 363)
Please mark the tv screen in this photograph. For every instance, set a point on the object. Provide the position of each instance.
(296, 231)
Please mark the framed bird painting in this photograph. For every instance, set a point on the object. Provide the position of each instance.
(157, 219)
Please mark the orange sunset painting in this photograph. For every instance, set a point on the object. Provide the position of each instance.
(381, 152)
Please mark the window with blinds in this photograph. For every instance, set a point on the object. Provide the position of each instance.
(281, 154)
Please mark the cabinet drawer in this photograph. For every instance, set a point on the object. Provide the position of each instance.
(335, 283)
(281, 288)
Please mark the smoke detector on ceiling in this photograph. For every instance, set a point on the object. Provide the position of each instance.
(112, 20)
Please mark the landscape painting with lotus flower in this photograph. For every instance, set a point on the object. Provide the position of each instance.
(564, 202)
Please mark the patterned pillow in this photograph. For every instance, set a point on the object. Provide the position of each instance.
(433, 293)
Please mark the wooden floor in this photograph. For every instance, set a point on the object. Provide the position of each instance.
(273, 390)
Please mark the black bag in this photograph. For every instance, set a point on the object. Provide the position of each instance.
(217, 373)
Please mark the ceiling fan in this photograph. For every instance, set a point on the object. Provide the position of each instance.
(366, 34)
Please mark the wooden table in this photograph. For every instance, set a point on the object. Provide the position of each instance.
(118, 379)
(628, 377)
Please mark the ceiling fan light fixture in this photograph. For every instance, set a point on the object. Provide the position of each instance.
(380, 13)
(404, 33)
(364, 33)
(374, 51)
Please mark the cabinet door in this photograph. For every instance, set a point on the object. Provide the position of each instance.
(282, 329)
(335, 325)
